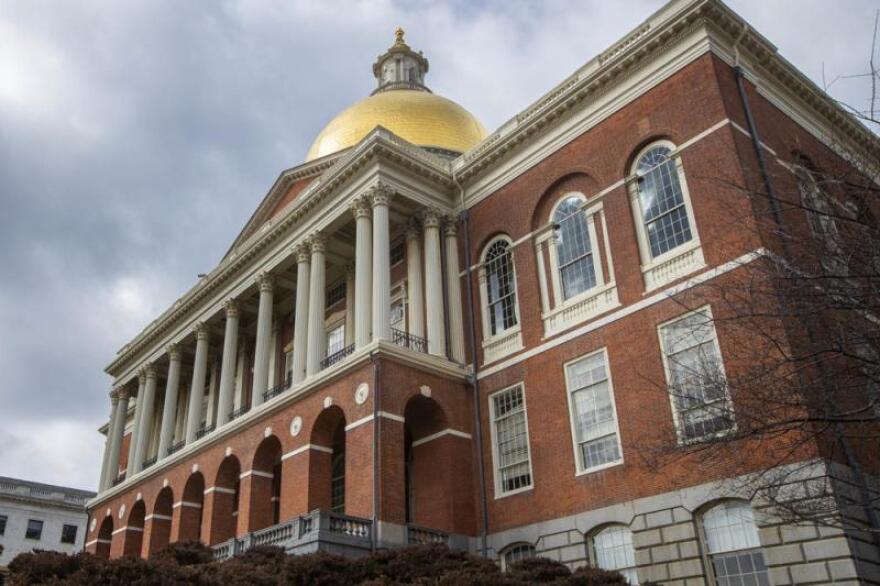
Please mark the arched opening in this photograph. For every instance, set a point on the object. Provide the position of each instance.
(327, 461)
(265, 482)
(428, 502)
(105, 534)
(191, 508)
(134, 533)
(224, 512)
(732, 543)
(160, 520)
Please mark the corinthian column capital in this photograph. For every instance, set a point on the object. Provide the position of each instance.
(359, 207)
(431, 218)
(231, 308)
(380, 194)
(318, 242)
(201, 330)
(450, 225)
(173, 351)
(302, 252)
(150, 370)
(266, 282)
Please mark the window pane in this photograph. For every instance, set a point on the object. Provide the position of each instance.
(662, 201)
(500, 287)
(335, 339)
(593, 418)
(337, 484)
(573, 249)
(396, 314)
(614, 551)
(34, 529)
(516, 553)
(730, 526)
(745, 568)
(3, 524)
(68, 534)
(511, 440)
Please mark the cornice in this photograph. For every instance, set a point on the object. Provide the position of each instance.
(380, 144)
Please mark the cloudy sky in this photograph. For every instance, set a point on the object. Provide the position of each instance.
(136, 138)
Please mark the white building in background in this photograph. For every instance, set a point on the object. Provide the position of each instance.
(40, 516)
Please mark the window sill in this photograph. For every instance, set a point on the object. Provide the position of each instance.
(599, 468)
(502, 495)
(579, 309)
(673, 265)
(503, 344)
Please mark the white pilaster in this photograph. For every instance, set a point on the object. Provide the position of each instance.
(260, 385)
(363, 278)
(227, 372)
(301, 315)
(146, 418)
(316, 343)
(414, 289)
(349, 304)
(380, 199)
(197, 389)
(273, 353)
(434, 285)
(136, 428)
(213, 384)
(453, 292)
(169, 409)
(107, 476)
(120, 411)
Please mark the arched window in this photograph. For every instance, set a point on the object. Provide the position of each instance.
(574, 249)
(820, 214)
(662, 203)
(733, 546)
(516, 552)
(500, 287)
(613, 550)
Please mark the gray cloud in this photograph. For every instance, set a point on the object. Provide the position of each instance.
(137, 137)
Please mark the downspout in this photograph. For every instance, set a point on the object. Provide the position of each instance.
(474, 379)
(375, 517)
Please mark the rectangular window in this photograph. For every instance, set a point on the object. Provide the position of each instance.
(695, 376)
(68, 534)
(513, 468)
(34, 529)
(335, 339)
(593, 415)
(397, 253)
(335, 294)
(396, 315)
(3, 524)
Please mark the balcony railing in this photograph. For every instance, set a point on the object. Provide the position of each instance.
(337, 356)
(176, 447)
(416, 535)
(406, 340)
(239, 412)
(277, 390)
(205, 430)
(149, 462)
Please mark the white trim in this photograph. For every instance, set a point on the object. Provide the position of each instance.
(628, 310)
(259, 473)
(499, 492)
(579, 465)
(439, 434)
(220, 489)
(157, 516)
(94, 541)
(369, 418)
(306, 448)
(129, 528)
(188, 504)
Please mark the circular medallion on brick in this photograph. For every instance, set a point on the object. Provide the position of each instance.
(121, 511)
(296, 425)
(425, 390)
(328, 401)
(267, 432)
(362, 393)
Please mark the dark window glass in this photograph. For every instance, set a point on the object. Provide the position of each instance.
(397, 253)
(34, 529)
(336, 294)
(2, 524)
(68, 534)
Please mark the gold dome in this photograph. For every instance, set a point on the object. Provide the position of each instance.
(419, 117)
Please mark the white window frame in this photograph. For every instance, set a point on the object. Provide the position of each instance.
(708, 556)
(504, 342)
(595, 252)
(679, 430)
(496, 473)
(580, 468)
(502, 555)
(652, 267)
(332, 326)
(591, 547)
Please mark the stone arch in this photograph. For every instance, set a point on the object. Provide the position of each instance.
(265, 485)
(134, 534)
(159, 526)
(427, 450)
(105, 535)
(327, 461)
(224, 498)
(189, 514)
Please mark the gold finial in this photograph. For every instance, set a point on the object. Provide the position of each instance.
(398, 36)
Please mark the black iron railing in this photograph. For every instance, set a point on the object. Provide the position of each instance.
(337, 356)
(406, 340)
(149, 462)
(176, 447)
(239, 412)
(277, 390)
(204, 430)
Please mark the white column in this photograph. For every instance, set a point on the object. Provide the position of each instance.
(106, 476)
(169, 410)
(136, 428)
(120, 409)
(197, 389)
(273, 353)
(227, 371)
(240, 366)
(301, 315)
(363, 273)
(316, 343)
(349, 304)
(453, 292)
(415, 296)
(381, 198)
(434, 285)
(213, 382)
(266, 282)
(146, 418)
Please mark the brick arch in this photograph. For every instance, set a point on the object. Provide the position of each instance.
(643, 143)
(572, 182)
(326, 456)
(265, 485)
(105, 535)
(134, 534)
(224, 499)
(188, 515)
(157, 530)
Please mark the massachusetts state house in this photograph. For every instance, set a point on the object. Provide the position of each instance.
(427, 332)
